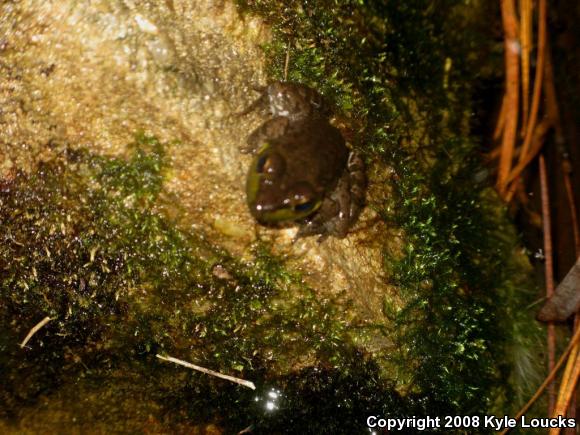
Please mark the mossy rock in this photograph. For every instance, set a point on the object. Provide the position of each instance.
(123, 221)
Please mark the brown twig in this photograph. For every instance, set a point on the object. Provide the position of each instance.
(567, 388)
(568, 371)
(512, 189)
(496, 152)
(537, 144)
(549, 272)
(553, 113)
(552, 110)
(500, 121)
(526, 39)
(538, 78)
(510, 25)
(566, 169)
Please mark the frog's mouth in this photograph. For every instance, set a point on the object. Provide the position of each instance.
(269, 211)
(278, 217)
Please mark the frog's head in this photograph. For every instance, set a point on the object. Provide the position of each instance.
(275, 198)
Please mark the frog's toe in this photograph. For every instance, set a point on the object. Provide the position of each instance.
(303, 231)
(310, 228)
(323, 235)
(260, 103)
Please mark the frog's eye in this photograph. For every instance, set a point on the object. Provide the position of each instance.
(305, 206)
(303, 198)
(270, 165)
(261, 163)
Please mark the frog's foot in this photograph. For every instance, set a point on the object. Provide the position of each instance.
(328, 220)
(311, 228)
(270, 130)
(261, 102)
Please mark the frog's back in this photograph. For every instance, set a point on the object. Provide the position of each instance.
(314, 151)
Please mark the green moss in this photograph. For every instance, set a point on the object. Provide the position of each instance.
(121, 284)
(402, 72)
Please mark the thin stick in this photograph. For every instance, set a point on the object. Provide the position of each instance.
(571, 204)
(553, 112)
(549, 272)
(495, 153)
(539, 135)
(208, 371)
(525, 37)
(286, 63)
(566, 392)
(552, 109)
(538, 78)
(548, 379)
(514, 179)
(34, 330)
(567, 374)
(500, 121)
(566, 166)
(510, 25)
(516, 187)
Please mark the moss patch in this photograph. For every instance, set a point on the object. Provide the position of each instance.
(82, 245)
(403, 73)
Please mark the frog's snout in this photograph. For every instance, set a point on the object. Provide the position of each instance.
(264, 214)
(258, 209)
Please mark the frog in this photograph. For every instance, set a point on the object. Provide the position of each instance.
(302, 172)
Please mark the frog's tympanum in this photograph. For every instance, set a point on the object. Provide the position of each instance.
(302, 171)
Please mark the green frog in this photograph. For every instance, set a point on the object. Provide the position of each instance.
(302, 172)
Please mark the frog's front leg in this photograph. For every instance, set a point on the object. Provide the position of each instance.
(318, 224)
(270, 130)
(340, 210)
(333, 216)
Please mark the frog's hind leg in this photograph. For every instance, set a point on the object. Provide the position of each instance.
(269, 130)
(319, 223)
